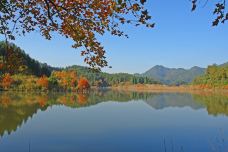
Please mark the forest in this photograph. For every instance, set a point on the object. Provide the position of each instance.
(216, 76)
(19, 72)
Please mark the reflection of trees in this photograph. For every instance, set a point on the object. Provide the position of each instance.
(14, 112)
(17, 108)
(216, 104)
(82, 99)
(42, 100)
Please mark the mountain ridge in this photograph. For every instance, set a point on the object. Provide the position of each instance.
(174, 76)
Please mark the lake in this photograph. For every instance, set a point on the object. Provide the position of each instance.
(112, 121)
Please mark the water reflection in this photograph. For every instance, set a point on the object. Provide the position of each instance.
(216, 104)
(165, 100)
(17, 108)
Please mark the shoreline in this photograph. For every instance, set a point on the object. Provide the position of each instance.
(153, 88)
(168, 89)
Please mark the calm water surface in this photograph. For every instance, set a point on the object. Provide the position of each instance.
(111, 121)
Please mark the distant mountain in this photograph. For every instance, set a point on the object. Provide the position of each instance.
(174, 76)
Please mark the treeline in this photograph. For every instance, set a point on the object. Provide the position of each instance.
(18, 71)
(215, 77)
(58, 81)
(11, 104)
(102, 79)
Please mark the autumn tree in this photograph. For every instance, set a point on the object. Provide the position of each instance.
(83, 84)
(65, 79)
(43, 82)
(80, 20)
(6, 81)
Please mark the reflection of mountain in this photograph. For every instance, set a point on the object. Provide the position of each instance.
(16, 109)
(215, 104)
(165, 100)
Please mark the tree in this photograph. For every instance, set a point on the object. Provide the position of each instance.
(65, 79)
(83, 84)
(12, 60)
(43, 82)
(1, 68)
(215, 77)
(6, 81)
(53, 83)
(80, 20)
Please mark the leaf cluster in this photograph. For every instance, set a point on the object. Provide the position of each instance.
(80, 20)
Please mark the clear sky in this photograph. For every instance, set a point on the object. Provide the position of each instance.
(180, 39)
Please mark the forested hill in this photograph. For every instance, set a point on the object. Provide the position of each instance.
(173, 76)
(18, 61)
(106, 79)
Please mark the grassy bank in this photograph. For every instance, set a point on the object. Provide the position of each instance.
(166, 88)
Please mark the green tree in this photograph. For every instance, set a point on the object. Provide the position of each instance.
(215, 76)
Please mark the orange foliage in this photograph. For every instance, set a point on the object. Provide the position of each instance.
(82, 99)
(72, 99)
(42, 100)
(1, 66)
(80, 20)
(226, 87)
(66, 78)
(83, 84)
(63, 100)
(5, 100)
(43, 82)
(6, 81)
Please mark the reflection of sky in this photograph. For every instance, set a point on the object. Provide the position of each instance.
(131, 126)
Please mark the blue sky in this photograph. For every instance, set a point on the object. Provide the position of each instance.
(180, 39)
